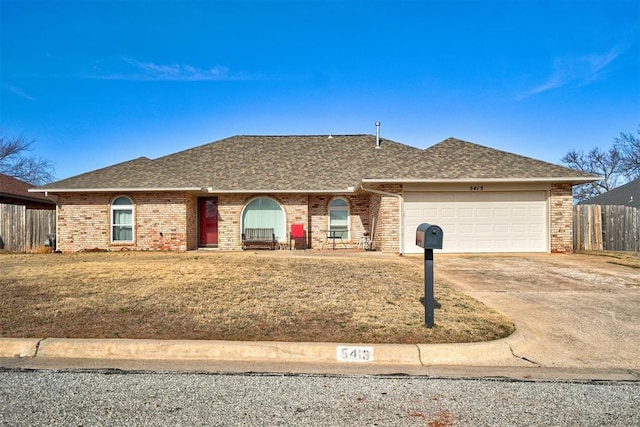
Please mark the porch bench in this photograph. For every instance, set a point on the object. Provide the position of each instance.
(258, 238)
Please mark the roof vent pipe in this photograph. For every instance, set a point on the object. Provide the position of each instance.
(377, 134)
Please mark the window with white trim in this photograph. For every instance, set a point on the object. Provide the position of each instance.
(122, 220)
(339, 216)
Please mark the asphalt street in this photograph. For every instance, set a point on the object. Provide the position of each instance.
(115, 398)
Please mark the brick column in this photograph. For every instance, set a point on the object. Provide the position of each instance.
(561, 217)
(385, 210)
(229, 211)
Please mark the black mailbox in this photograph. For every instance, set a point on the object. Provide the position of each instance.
(429, 236)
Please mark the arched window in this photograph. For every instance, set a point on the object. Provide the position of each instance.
(339, 216)
(263, 212)
(122, 220)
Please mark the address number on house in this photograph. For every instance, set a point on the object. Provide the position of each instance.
(354, 354)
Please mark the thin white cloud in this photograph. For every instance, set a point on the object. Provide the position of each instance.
(18, 91)
(576, 72)
(148, 71)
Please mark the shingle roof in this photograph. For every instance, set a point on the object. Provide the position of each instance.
(17, 189)
(316, 163)
(141, 173)
(626, 195)
(290, 163)
(457, 159)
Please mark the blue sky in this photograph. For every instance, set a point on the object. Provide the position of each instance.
(100, 82)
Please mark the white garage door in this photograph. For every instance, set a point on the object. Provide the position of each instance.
(480, 221)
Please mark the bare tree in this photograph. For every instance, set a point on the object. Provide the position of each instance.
(607, 164)
(16, 161)
(629, 147)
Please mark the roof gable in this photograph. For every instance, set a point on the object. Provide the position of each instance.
(458, 159)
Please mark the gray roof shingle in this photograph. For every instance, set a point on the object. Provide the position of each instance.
(292, 163)
(140, 173)
(315, 163)
(625, 195)
(457, 159)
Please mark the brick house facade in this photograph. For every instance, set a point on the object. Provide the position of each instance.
(168, 221)
(371, 180)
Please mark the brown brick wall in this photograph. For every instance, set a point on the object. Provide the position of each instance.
(561, 215)
(387, 220)
(229, 210)
(162, 221)
(359, 217)
(374, 215)
(296, 208)
(83, 221)
(319, 218)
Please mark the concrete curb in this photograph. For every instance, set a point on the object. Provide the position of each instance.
(490, 353)
(479, 354)
(19, 347)
(472, 354)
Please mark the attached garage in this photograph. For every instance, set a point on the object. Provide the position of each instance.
(480, 221)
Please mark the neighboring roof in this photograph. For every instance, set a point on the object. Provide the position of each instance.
(320, 163)
(625, 195)
(14, 188)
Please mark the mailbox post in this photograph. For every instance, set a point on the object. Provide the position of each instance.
(429, 237)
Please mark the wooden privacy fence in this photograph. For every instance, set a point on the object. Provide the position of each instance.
(23, 229)
(606, 228)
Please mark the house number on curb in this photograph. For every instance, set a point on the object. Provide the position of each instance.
(354, 354)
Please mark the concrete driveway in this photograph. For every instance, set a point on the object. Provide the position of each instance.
(570, 311)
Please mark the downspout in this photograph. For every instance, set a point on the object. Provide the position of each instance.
(400, 212)
(56, 235)
(55, 248)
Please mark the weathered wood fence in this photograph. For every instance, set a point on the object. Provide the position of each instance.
(606, 228)
(23, 229)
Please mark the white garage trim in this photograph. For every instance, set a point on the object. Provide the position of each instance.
(480, 221)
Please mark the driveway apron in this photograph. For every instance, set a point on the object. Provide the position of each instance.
(569, 310)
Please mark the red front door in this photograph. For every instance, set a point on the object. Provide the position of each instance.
(208, 214)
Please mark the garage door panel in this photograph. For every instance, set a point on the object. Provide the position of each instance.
(480, 221)
(465, 212)
(501, 228)
(537, 228)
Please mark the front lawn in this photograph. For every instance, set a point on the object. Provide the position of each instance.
(266, 296)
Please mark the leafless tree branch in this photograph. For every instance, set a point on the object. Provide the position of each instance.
(15, 161)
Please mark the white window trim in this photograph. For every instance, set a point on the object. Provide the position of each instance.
(340, 208)
(114, 208)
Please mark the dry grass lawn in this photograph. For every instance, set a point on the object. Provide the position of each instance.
(271, 296)
(629, 259)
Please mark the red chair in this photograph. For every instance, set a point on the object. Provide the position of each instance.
(298, 235)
